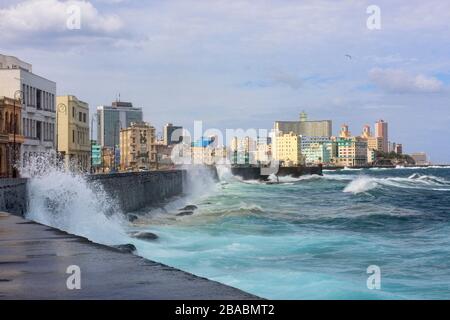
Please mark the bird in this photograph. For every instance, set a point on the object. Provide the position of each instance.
(348, 56)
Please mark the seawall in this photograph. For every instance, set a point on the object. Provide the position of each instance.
(13, 196)
(131, 190)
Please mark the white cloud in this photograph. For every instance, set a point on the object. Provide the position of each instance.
(33, 17)
(400, 81)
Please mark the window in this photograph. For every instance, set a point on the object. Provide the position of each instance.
(73, 136)
(73, 112)
(84, 117)
(80, 116)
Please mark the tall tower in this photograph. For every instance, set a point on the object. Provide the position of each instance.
(381, 131)
(344, 131)
(366, 132)
(303, 116)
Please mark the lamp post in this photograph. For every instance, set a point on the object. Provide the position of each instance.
(115, 134)
(62, 108)
(94, 116)
(17, 96)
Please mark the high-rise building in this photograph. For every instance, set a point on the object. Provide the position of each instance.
(113, 118)
(381, 131)
(317, 150)
(172, 134)
(398, 148)
(73, 132)
(344, 133)
(37, 95)
(351, 151)
(11, 136)
(138, 147)
(288, 149)
(305, 127)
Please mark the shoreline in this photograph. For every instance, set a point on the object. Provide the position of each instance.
(34, 259)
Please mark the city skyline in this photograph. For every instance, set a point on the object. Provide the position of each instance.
(246, 70)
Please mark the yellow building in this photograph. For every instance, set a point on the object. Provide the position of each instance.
(138, 147)
(352, 151)
(73, 132)
(288, 149)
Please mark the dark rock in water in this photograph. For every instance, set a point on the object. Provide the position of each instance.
(144, 236)
(132, 217)
(190, 207)
(128, 248)
(185, 213)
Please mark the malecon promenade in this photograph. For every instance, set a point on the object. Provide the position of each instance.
(34, 258)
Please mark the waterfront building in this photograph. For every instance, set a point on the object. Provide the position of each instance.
(374, 144)
(172, 134)
(351, 151)
(305, 127)
(288, 149)
(244, 150)
(73, 133)
(381, 131)
(11, 137)
(317, 150)
(96, 156)
(138, 147)
(398, 148)
(113, 118)
(263, 150)
(37, 96)
(107, 159)
(420, 158)
(203, 150)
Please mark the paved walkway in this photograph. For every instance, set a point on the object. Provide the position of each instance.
(34, 259)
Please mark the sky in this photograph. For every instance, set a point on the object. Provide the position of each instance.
(246, 63)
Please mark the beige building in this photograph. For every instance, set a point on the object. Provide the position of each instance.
(73, 132)
(352, 151)
(305, 127)
(138, 147)
(288, 149)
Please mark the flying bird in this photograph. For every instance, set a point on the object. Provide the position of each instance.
(348, 56)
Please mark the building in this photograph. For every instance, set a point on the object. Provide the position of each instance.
(107, 160)
(420, 158)
(288, 149)
(172, 134)
(264, 150)
(113, 118)
(305, 127)
(398, 148)
(138, 147)
(374, 144)
(317, 150)
(350, 150)
(11, 137)
(381, 131)
(244, 150)
(203, 151)
(96, 161)
(37, 96)
(73, 133)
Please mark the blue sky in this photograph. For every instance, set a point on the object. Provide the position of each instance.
(244, 64)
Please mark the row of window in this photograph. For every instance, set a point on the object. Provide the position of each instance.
(37, 98)
(82, 116)
(80, 136)
(34, 129)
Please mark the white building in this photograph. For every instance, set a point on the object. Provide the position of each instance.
(38, 104)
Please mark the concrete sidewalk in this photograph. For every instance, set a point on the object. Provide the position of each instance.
(34, 259)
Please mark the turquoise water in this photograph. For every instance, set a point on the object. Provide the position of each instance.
(314, 237)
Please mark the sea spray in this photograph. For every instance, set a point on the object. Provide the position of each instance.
(67, 201)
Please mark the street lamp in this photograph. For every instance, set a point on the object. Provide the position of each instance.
(115, 134)
(94, 116)
(17, 97)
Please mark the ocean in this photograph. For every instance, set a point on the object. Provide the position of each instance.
(308, 238)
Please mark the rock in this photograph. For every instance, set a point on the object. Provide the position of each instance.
(128, 248)
(190, 207)
(185, 213)
(132, 217)
(145, 236)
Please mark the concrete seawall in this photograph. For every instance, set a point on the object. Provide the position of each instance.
(13, 196)
(136, 190)
(132, 190)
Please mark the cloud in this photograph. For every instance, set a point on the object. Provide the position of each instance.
(35, 19)
(400, 81)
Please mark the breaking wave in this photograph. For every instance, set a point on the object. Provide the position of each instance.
(414, 181)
